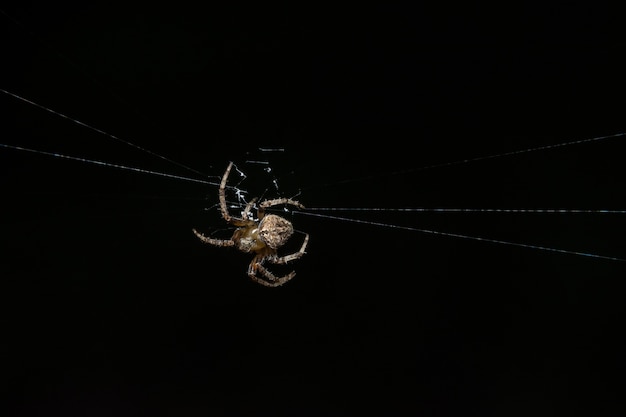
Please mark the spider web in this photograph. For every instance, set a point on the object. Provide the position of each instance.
(269, 172)
(263, 170)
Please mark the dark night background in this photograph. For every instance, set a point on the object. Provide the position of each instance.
(112, 307)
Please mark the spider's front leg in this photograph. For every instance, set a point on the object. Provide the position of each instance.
(215, 242)
(224, 207)
(222, 194)
(246, 212)
(276, 202)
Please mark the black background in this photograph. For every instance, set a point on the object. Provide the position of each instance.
(112, 307)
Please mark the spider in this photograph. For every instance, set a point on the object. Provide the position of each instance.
(262, 236)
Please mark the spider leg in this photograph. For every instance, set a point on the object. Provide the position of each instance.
(224, 207)
(288, 258)
(246, 211)
(222, 194)
(275, 202)
(272, 280)
(211, 241)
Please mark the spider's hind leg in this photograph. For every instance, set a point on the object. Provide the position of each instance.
(296, 255)
(271, 280)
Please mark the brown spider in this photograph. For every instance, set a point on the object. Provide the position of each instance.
(263, 236)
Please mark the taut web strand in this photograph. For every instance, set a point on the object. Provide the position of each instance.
(107, 164)
(102, 132)
(470, 210)
(461, 236)
(477, 159)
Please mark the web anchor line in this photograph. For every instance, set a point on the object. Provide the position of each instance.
(474, 159)
(462, 236)
(100, 131)
(471, 210)
(106, 164)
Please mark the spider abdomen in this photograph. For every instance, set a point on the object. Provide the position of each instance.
(274, 230)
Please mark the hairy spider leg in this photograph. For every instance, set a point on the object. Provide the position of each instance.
(246, 211)
(211, 241)
(275, 202)
(273, 280)
(224, 208)
(281, 260)
(222, 193)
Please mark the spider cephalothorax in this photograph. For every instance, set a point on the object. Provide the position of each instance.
(262, 236)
